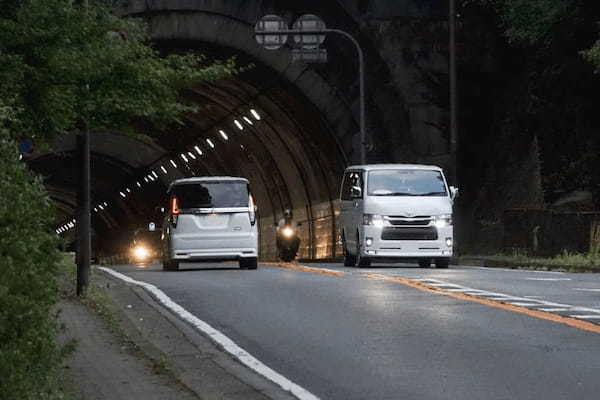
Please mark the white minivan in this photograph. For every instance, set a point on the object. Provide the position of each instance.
(391, 212)
(210, 219)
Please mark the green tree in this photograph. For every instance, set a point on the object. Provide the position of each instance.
(62, 64)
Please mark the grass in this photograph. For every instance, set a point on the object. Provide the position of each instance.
(572, 262)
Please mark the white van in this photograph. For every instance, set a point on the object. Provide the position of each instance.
(210, 219)
(391, 212)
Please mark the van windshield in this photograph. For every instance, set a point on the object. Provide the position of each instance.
(211, 194)
(406, 182)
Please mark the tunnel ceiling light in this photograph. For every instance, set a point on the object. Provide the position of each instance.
(173, 163)
(155, 174)
(248, 120)
(146, 179)
(255, 114)
(105, 204)
(198, 150)
(100, 206)
(95, 209)
(210, 143)
(223, 134)
(122, 194)
(238, 124)
(151, 178)
(128, 190)
(192, 156)
(138, 184)
(163, 169)
(184, 158)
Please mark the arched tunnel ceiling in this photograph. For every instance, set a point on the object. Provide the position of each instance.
(293, 155)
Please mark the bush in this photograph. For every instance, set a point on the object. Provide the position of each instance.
(29, 259)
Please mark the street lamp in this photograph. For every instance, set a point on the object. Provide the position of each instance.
(309, 30)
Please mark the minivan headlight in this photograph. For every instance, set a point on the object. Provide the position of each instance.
(443, 220)
(373, 219)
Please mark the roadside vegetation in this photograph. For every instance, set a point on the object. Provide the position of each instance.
(569, 262)
(65, 67)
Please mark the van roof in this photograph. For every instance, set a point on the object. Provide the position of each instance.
(370, 167)
(200, 179)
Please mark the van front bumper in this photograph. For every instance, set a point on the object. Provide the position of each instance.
(373, 246)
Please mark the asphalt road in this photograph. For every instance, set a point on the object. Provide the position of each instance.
(359, 335)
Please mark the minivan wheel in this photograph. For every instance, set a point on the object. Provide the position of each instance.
(361, 261)
(442, 262)
(248, 263)
(424, 262)
(349, 259)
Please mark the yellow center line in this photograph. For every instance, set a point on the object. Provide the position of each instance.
(304, 268)
(570, 321)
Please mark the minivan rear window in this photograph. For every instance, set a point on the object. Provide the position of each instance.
(406, 182)
(211, 194)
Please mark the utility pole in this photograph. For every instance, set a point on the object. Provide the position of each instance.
(84, 242)
(453, 90)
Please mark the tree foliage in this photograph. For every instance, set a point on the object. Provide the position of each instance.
(62, 64)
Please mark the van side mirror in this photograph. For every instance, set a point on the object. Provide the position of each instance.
(355, 192)
(453, 192)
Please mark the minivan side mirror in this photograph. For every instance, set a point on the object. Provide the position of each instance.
(355, 192)
(453, 192)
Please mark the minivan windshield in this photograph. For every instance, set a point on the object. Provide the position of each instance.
(211, 194)
(406, 182)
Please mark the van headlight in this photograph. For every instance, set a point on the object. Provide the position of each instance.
(443, 220)
(373, 219)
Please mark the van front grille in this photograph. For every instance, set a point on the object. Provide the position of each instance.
(403, 233)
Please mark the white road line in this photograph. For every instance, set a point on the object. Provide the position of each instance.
(242, 355)
(585, 316)
(554, 309)
(463, 290)
(518, 270)
(547, 279)
(587, 290)
(521, 304)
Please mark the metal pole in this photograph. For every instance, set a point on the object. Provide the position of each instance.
(84, 245)
(453, 90)
(361, 78)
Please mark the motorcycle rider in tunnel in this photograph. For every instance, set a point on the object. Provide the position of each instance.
(288, 241)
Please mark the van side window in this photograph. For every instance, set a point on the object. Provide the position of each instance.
(351, 178)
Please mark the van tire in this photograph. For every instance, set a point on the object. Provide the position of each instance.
(248, 263)
(442, 262)
(424, 262)
(170, 265)
(349, 259)
(361, 262)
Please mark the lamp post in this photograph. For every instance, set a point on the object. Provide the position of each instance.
(263, 30)
(453, 88)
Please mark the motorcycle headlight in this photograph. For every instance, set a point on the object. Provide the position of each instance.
(141, 253)
(373, 219)
(443, 220)
(288, 232)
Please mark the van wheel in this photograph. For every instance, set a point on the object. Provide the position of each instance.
(248, 263)
(361, 261)
(349, 259)
(442, 262)
(170, 265)
(424, 262)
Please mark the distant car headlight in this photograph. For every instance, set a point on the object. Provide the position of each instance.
(288, 232)
(141, 253)
(373, 219)
(443, 220)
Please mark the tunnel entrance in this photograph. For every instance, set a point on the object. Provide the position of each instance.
(257, 125)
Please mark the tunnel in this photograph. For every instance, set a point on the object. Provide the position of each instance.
(289, 127)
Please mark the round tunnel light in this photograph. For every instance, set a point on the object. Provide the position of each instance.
(173, 163)
(223, 134)
(105, 204)
(238, 124)
(198, 150)
(248, 120)
(255, 114)
(192, 156)
(128, 190)
(95, 209)
(210, 143)
(122, 194)
(163, 169)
